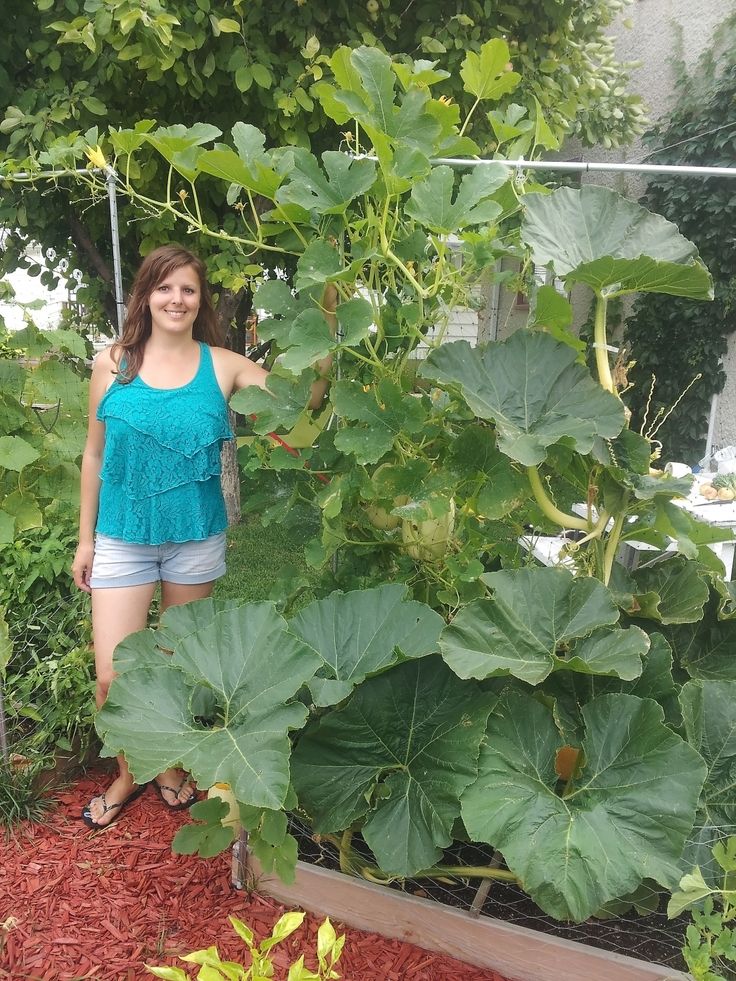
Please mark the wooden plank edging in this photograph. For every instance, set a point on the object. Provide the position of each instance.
(516, 952)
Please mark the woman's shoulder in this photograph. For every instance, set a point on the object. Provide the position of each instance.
(235, 370)
(106, 360)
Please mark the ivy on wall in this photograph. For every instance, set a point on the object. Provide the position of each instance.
(673, 339)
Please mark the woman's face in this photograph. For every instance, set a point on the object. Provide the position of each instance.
(174, 302)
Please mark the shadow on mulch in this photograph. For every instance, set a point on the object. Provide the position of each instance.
(82, 906)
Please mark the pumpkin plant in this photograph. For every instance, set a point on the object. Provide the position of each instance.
(436, 691)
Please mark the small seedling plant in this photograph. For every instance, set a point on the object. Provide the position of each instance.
(710, 948)
(261, 967)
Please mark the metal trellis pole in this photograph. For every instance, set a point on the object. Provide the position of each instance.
(111, 180)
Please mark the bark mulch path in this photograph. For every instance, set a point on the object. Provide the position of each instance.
(78, 905)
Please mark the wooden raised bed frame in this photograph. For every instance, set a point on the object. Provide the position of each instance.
(515, 952)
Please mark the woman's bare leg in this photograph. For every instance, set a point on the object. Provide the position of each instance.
(116, 613)
(175, 789)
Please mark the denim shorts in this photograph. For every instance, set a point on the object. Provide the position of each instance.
(118, 563)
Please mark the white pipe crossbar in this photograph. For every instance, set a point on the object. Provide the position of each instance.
(581, 166)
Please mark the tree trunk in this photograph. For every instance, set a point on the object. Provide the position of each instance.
(231, 477)
(226, 307)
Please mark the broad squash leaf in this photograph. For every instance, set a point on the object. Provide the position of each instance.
(626, 817)
(398, 755)
(673, 591)
(539, 621)
(379, 415)
(221, 705)
(279, 405)
(362, 633)
(534, 390)
(593, 235)
(709, 717)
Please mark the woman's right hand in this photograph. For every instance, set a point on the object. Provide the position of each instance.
(82, 566)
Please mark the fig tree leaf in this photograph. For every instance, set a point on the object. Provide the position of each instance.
(593, 235)
(250, 667)
(534, 390)
(531, 613)
(399, 753)
(485, 75)
(361, 633)
(431, 201)
(329, 192)
(625, 818)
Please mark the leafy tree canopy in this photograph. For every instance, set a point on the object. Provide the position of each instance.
(72, 67)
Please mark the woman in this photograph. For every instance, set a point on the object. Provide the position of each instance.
(151, 503)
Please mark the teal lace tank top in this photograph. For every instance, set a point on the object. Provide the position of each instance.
(161, 466)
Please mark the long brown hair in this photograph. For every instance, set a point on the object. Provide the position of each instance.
(166, 259)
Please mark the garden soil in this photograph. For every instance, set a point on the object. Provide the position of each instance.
(77, 905)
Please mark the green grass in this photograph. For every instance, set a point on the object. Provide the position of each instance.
(255, 557)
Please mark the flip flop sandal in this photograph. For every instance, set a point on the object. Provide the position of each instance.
(182, 805)
(86, 815)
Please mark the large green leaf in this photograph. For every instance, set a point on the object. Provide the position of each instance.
(706, 649)
(399, 754)
(538, 621)
(431, 202)
(625, 819)
(567, 692)
(379, 415)
(485, 74)
(280, 404)
(180, 145)
(331, 192)
(593, 235)
(534, 390)
(221, 705)
(673, 591)
(709, 716)
(362, 633)
(16, 453)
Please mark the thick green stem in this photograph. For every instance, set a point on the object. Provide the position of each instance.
(346, 853)
(601, 346)
(612, 545)
(549, 509)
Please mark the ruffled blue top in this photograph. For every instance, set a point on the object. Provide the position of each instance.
(161, 465)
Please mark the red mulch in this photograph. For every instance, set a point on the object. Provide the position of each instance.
(99, 906)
